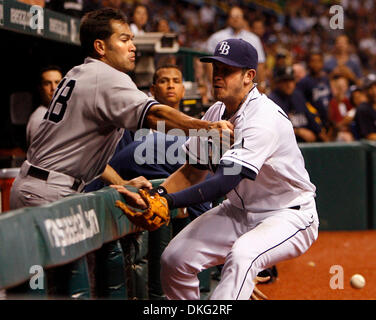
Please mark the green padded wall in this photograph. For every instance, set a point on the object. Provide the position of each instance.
(339, 171)
(371, 174)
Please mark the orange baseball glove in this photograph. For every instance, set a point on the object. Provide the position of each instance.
(156, 215)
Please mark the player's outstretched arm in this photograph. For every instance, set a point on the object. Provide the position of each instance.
(112, 177)
(183, 178)
(175, 119)
(208, 190)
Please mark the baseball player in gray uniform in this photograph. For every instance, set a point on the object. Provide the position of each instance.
(269, 214)
(86, 118)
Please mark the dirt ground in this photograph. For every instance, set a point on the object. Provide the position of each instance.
(325, 270)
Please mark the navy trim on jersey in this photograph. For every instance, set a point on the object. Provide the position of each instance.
(299, 230)
(144, 111)
(284, 115)
(245, 172)
(249, 164)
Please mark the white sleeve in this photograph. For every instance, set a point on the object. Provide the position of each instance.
(255, 146)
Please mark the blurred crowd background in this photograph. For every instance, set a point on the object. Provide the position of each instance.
(331, 68)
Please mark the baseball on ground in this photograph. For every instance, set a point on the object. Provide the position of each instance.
(357, 281)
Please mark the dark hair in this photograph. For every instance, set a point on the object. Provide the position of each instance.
(164, 66)
(257, 19)
(49, 68)
(97, 25)
(314, 52)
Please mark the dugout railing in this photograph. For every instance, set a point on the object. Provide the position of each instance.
(33, 240)
(71, 230)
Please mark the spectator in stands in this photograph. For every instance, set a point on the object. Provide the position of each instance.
(341, 111)
(365, 116)
(281, 60)
(49, 78)
(305, 119)
(315, 85)
(237, 29)
(207, 15)
(163, 26)
(299, 71)
(357, 95)
(257, 26)
(343, 61)
(139, 19)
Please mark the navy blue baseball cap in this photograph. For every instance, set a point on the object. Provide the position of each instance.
(234, 52)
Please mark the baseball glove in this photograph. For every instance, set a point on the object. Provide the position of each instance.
(156, 215)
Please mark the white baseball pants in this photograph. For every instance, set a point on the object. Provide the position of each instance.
(246, 243)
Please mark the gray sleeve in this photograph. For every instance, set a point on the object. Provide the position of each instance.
(34, 122)
(119, 101)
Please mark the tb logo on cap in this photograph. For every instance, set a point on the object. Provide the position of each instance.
(224, 48)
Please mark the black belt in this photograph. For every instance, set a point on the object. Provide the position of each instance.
(295, 208)
(43, 175)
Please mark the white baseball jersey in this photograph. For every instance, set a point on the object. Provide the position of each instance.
(228, 33)
(85, 120)
(262, 222)
(265, 144)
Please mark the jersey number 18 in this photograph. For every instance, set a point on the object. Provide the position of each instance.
(59, 101)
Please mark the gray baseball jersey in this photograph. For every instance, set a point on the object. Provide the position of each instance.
(34, 122)
(85, 120)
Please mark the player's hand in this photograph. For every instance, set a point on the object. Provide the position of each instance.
(226, 133)
(257, 294)
(131, 198)
(140, 183)
(222, 125)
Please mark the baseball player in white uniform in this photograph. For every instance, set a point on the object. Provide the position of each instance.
(269, 214)
(92, 105)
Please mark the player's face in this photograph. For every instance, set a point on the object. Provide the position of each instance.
(50, 80)
(119, 48)
(227, 82)
(169, 88)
